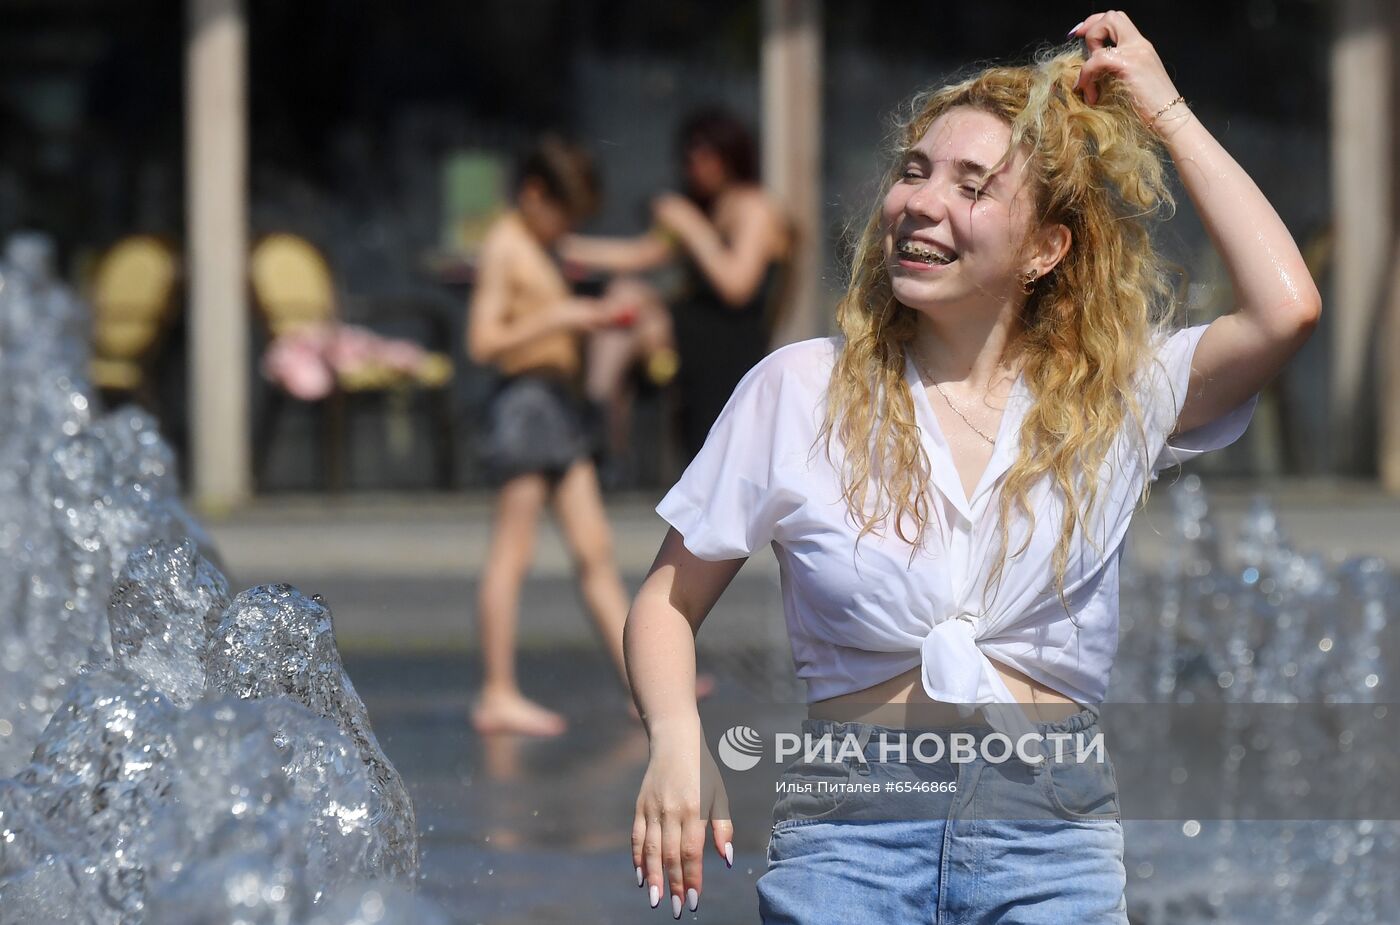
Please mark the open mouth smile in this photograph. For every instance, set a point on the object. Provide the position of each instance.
(923, 253)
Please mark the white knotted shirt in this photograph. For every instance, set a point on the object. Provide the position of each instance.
(859, 617)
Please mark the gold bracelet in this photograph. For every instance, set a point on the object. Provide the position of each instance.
(1153, 120)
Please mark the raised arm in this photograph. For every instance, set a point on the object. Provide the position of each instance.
(681, 790)
(1279, 304)
(734, 268)
(616, 255)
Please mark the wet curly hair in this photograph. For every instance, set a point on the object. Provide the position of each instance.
(1084, 331)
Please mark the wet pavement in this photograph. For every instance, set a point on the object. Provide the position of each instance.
(521, 830)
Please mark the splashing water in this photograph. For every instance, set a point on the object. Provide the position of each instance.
(1236, 627)
(273, 641)
(168, 753)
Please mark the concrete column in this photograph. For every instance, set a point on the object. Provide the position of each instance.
(792, 161)
(1362, 176)
(1389, 365)
(1389, 385)
(216, 126)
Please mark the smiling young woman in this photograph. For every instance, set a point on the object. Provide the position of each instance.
(1010, 376)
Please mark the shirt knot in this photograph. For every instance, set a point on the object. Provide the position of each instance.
(956, 671)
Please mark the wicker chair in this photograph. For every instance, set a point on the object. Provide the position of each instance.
(133, 298)
(292, 286)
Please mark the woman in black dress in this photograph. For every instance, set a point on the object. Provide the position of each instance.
(732, 241)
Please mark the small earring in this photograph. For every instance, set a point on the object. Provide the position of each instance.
(1028, 279)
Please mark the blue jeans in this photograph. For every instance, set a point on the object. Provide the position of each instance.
(946, 842)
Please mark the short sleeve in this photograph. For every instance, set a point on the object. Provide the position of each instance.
(725, 504)
(1169, 382)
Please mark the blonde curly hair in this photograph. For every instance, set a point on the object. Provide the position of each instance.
(1084, 331)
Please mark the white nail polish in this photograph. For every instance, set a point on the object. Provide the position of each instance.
(654, 895)
(675, 905)
(692, 899)
(729, 853)
(639, 876)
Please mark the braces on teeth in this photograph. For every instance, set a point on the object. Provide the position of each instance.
(911, 249)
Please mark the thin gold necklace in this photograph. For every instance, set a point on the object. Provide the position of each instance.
(939, 387)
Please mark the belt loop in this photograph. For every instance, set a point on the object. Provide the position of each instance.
(863, 731)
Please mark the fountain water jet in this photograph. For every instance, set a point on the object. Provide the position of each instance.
(167, 753)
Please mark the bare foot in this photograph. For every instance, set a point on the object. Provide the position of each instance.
(494, 713)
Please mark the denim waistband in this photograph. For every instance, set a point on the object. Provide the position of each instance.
(1086, 718)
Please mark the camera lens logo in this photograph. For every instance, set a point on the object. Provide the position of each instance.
(740, 748)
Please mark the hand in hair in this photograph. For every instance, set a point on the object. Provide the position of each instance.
(1116, 48)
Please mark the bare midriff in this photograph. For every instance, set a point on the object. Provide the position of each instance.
(901, 702)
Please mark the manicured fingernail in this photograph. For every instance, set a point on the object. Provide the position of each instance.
(1072, 31)
(655, 895)
(639, 876)
(729, 853)
(675, 905)
(692, 899)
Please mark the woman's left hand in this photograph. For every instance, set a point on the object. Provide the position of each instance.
(1116, 47)
(677, 214)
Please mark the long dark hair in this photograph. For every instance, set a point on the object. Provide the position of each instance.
(724, 133)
